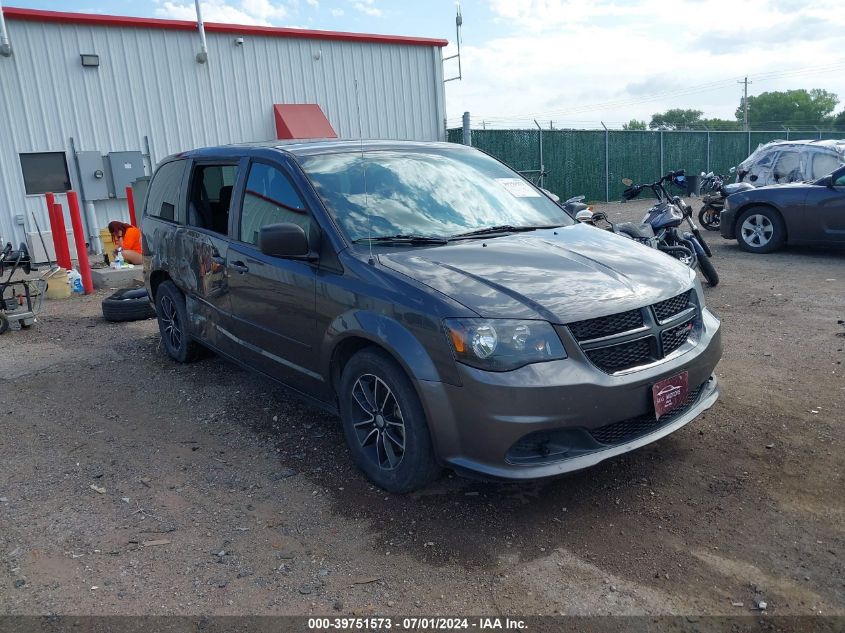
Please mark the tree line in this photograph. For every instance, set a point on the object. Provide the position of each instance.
(769, 110)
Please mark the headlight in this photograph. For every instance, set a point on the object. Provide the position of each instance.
(502, 344)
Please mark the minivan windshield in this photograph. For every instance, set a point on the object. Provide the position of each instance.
(438, 193)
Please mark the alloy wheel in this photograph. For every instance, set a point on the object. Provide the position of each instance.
(757, 230)
(378, 423)
(170, 323)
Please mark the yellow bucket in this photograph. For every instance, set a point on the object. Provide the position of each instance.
(58, 284)
(108, 244)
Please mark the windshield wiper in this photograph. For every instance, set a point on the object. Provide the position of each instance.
(403, 239)
(504, 228)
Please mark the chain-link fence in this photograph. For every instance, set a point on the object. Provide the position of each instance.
(593, 163)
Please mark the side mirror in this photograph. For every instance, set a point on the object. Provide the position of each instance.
(827, 181)
(584, 215)
(284, 240)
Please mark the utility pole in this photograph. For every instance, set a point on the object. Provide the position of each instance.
(745, 102)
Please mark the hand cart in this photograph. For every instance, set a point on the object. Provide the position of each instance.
(20, 300)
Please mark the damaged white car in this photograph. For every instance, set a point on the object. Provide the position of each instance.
(791, 161)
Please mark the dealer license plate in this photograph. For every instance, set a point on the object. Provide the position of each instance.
(670, 393)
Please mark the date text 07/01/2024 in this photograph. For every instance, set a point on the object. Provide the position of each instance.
(416, 623)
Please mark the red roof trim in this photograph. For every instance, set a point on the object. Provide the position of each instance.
(37, 15)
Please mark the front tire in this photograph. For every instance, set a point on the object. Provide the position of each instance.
(760, 230)
(173, 324)
(384, 423)
(709, 271)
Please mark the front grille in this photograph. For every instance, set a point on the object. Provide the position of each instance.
(673, 338)
(667, 309)
(605, 326)
(627, 345)
(622, 356)
(627, 430)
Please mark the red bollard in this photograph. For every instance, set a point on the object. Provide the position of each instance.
(51, 201)
(79, 238)
(130, 199)
(60, 237)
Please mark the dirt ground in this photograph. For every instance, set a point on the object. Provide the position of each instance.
(132, 485)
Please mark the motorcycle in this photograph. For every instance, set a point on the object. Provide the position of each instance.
(660, 228)
(575, 204)
(717, 190)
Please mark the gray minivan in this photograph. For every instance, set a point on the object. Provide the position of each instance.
(449, 311)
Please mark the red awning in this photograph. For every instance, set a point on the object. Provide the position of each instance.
(302, 120)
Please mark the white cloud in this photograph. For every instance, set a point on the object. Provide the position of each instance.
(586, 62)
(260, 12)
(312, 3)
(337, 12)
(368, 7)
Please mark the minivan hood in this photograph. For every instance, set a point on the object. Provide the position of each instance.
(561, 275)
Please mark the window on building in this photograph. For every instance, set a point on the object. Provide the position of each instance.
(270, 199)
(211, 197)
(165, 189)
(45, 172)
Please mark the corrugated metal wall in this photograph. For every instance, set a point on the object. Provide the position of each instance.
(149, 84)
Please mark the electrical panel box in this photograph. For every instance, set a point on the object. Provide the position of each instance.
(139, 191)
(126, 167)
(95, 180)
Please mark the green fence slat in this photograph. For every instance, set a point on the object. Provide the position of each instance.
(574, 160)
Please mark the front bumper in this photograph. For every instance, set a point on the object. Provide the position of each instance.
(479, 425)
(727, 223)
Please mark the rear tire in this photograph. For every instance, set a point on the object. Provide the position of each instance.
(173, 324)
(709, 218)
(760, 230)
(384, 423)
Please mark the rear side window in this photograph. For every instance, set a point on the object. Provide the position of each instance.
(164, 190)
(270, 199)
(211, 197)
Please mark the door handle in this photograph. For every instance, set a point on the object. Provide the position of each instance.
(239, 267)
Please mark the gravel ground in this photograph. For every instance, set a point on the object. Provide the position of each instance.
(132, 485)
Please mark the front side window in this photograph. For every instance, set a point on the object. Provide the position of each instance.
(433, 193)
(788, 167)
(45, 172)
(211, 197)
(270, 198)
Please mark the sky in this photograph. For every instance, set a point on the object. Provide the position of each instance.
(572, 64)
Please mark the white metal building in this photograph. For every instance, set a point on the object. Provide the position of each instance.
(94, 100)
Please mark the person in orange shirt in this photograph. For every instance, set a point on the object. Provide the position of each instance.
(128, 238)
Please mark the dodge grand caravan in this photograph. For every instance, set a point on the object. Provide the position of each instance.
(450, 312)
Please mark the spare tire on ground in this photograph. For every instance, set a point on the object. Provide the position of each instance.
(129, 304)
